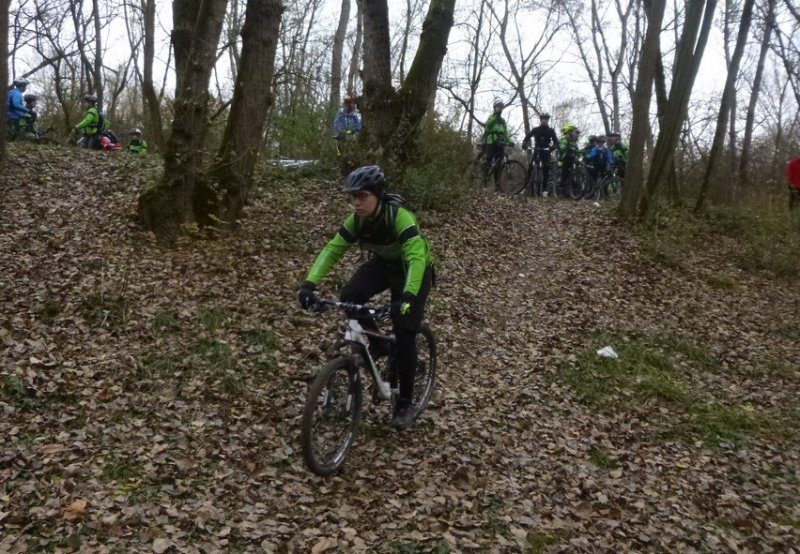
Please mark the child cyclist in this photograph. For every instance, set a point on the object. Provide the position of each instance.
(399, 261)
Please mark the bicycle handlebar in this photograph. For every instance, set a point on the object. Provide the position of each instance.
(352, 309)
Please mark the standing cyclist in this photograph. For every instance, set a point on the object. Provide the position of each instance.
(92, 124)
(496, 134)
(545, 141)
(15, 106)
(399, 261)
(619, 152)
(347, 121)
(568, 152)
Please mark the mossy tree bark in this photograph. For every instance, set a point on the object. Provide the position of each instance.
(183, 195)
(232, 171)
(392, 117)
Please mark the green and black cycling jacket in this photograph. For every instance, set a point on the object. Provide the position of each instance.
(392, 235)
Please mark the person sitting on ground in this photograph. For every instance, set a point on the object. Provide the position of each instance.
(400, 261)
(619, 153)
(495, 134)
(109, 140)
(137, 144)
(545, 141)
(27, 123)
(793, 178)
(568, 152)
(347, 122)
(92, 125)
(15, 107)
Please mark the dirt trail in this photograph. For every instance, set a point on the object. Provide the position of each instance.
(151, 397)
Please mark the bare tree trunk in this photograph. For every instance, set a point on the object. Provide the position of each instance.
(3, 73)
(744, 160)
(689, 53)
(151, 102)
(183, 196)
(352, 73)
(633, 190)
(98, 53)
(391, 117)
(728, 96)
(233, 169)
(336, 56)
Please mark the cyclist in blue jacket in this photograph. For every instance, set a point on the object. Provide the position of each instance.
(347, 121)
(15, 106)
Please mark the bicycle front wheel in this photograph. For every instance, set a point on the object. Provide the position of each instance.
(425, 374)
(331, 416)
(510, 179)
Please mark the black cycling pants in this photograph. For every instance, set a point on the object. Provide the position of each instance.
(374, 277)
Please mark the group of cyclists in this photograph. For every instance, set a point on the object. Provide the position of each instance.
(600, 154)
(94, 130)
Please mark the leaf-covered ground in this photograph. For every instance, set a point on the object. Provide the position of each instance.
(151, 397)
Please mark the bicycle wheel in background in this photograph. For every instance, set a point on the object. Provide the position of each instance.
(425, 376)
(510, 179)
(331, 416)
(610, 187)
(535, 182)
(579, 184)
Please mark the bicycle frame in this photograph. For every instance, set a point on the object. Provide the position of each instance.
(357, 338)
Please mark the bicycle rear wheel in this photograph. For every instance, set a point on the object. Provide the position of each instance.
(510, 179)
(611, 187)
(425, 375)
(331, 416)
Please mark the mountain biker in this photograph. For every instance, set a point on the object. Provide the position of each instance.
(399, 261)
(137, 144)
(544, 139)
(568, 152)
(15, 106)
(347, 121)
(599, 158)
(91, 124)
(495, 134)
(619, 153)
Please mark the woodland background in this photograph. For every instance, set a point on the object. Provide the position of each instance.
(154, 361)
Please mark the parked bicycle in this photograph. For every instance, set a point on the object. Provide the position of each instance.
(332, 410)
(538, 160)
(605, 186)
(579, 182)
(507, 175)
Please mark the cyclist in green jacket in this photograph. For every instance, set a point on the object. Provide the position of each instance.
(91, 125)
(568, 152)
(399, 260)
(619, 151)
(496, 134)
(137, 145)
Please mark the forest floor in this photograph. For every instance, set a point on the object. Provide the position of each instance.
(150, 398)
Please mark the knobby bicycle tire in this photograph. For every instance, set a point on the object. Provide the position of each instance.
(510, 179)
(577, 184)
(611, 187)
(425, 375)
(334, 398)
(534, 181)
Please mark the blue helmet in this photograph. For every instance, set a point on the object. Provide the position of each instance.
(368, 177)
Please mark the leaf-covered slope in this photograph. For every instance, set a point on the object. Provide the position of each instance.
(151, 397)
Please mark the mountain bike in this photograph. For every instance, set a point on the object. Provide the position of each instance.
(509, 175)
(332, 412)
(579, 181)
(534, 182)
(606, 186)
